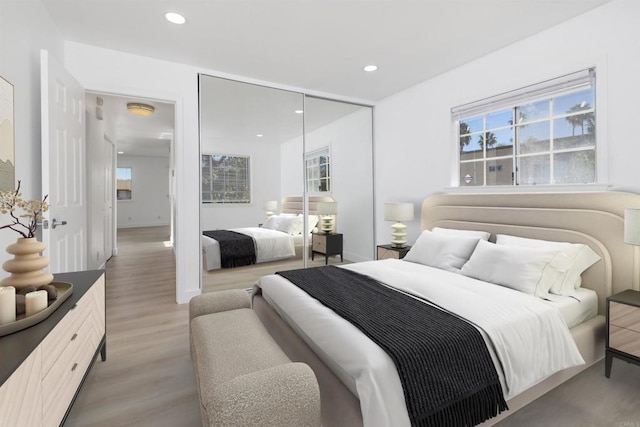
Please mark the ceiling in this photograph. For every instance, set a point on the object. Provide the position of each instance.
(319, 45)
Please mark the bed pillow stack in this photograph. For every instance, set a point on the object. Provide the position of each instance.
(290, 224)
(580, 258)
(536, 267)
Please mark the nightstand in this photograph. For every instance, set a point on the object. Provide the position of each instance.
(327, 244)
(390, 251)
(623, 328)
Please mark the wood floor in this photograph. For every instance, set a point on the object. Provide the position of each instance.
(148, 379)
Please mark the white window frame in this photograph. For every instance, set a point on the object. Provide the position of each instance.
(247, 172)
(546, 90)
(310, 177)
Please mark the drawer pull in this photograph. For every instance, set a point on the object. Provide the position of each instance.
(73, 368)
(74, 337)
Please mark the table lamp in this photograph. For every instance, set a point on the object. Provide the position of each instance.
(269, 206)
(327, 210)
(398, 212)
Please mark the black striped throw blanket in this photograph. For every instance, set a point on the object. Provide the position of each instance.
(236, 249)
(445, 368)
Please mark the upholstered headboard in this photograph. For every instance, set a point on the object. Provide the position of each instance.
(295, 204)
(592, 218)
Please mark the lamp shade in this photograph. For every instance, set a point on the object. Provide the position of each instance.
(270, 205)
(327, 208)
(398, 211)
(632, 226)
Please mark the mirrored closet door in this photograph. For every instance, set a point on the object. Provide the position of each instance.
(262, 190)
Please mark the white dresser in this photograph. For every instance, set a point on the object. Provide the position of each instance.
(43, 367)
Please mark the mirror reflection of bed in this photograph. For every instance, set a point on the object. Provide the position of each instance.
(278, 242)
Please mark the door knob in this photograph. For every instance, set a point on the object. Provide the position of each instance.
(55, 223)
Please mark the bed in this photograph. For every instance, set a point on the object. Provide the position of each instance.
(280, 237)
(591, 219)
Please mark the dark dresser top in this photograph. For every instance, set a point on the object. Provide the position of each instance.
(16, 347)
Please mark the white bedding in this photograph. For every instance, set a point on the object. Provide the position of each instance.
(270, 245)
(528, 338)
(578, 308)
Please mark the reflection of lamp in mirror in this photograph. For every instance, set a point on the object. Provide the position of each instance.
(398, 212)
(327, 210)
(269, 206)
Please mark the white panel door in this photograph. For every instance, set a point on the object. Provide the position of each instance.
(64, 228)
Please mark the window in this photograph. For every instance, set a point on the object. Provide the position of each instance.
(318, 171)
(225, 179)
(541, 134)
(123, 187)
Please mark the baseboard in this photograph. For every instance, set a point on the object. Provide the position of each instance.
(143, 225)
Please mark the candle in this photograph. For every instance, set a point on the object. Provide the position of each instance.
(7, 304)
(35, 302)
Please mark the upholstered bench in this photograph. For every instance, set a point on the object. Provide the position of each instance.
(244, 378)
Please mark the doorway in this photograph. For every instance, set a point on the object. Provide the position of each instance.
(130, 169)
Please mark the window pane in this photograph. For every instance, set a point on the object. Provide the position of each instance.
(471, 125)
(471, 174)
(534, 111)
(570, 103)
(574, 131)
(500, 119)
(323, 171)
(533, 138)
(499, 172)
(534, 170)
(123, 184)
(500, 143)
(470, 147)
(576, 167)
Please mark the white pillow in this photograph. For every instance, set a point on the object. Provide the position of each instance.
(443, 251)
(292, 225)
(273, 222)
(312, 221)
(529, 270)
(468, 233)
(581, 256)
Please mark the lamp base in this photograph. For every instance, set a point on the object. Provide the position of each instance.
(327, 224)
(398, 236)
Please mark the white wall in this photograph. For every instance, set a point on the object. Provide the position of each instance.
(265, 185)
(149, 205)
(25, 28)
(100, 194)
(415, 149)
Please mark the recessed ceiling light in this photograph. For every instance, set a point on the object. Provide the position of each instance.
(299, 111)
(371, 68)
(120, 152)
(175, 18)
(259, 135)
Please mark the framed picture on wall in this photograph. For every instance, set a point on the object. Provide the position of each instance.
(7, 137)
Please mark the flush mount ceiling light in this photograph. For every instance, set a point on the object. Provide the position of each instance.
(371, 68)
(175, 18)
(259, 135)
(140, 108)
(120, 152)
(298, 111)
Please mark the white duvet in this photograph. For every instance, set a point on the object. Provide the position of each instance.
(528, 339)
(270, 245)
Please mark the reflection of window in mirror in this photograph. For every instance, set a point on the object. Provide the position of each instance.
(123, 189)
(318, 171)
(225, 179)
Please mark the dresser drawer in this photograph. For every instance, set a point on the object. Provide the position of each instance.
(60, 384)
(625, 316)
(624, 340)
(319, 244)
(56, 342)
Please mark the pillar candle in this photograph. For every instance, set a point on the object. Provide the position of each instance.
(35, 302)
(7, 304)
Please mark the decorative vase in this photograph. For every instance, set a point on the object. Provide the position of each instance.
(26, 265)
